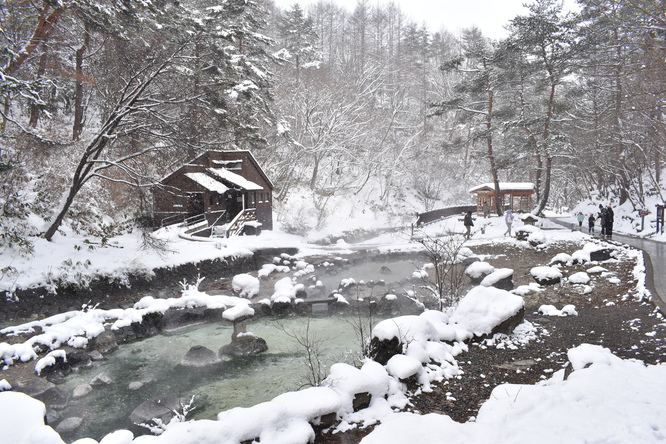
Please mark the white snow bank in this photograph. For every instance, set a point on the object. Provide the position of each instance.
(610, 401)
(484, 308)
(22, 420)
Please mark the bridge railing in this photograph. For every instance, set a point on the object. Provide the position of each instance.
(433, 216)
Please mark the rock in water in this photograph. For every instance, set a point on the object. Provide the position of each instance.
(245, 344)
(199, 356)
(161, 407)
(68, 425)
(81, 390)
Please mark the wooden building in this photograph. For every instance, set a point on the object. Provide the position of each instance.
(225, 188)
(516, 196)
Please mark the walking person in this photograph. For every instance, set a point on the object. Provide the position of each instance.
(590, 224)
(608, 220)
(469, 223)
(508, 220)
(580, 218)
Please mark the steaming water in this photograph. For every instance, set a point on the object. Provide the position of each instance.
(233, 382)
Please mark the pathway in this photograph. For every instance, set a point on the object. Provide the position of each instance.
(655, 258)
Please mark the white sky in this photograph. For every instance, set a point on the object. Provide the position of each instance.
(489, 15)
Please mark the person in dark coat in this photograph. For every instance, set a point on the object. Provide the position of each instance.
(602, 220)
(608, 221)
(469, 223)
(590, 224)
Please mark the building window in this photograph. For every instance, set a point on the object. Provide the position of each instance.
(178, 200)
(253, 198)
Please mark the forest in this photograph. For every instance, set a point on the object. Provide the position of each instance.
(100, 99)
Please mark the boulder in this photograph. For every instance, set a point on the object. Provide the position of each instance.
(280, 308)
(501, 278)
(602, 254)
(398, 304)
(95, 355)
(135, 385)
(54, 398)
(199, 356)
(508, 326)
(68, 425)
(81, 390)
(104, 342)
(246, 344)
(79, 359)
(33, 386)
(546, 275)
(101, 380)
(161, 407)
(381, 350)
(175, 320)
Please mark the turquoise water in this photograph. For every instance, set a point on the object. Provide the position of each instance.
(233, 382)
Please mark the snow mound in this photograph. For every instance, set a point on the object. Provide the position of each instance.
(407, 329)
(579, 278)
(484, 308)
(477, 270)
(245, 284)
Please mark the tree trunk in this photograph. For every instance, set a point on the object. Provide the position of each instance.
(40, 34)
(77, 127)
(35, 108)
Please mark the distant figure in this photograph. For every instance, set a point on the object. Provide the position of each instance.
(469, 223)
(486, 209)
(580, 218)
(508, 219)
(602, 220)
(590, 224)
(608, 221)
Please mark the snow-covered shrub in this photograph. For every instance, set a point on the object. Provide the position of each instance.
(14, 203)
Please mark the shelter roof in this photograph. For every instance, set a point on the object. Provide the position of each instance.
(505, 186)
(207, 182)
(234, 179)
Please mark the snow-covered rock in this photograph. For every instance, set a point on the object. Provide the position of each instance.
(245, 285)
(484, 309)
(546, 275)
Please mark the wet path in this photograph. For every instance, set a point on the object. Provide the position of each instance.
(655, 262)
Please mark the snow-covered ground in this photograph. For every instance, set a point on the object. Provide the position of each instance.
(605, 399)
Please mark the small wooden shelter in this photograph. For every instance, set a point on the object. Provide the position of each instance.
(516, 196)
(223, 188)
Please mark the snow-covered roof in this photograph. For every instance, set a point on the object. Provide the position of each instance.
(235, 179)
(226, 163)
(504, 186)
(207, 182)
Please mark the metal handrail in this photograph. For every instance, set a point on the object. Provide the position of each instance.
(237, 225)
